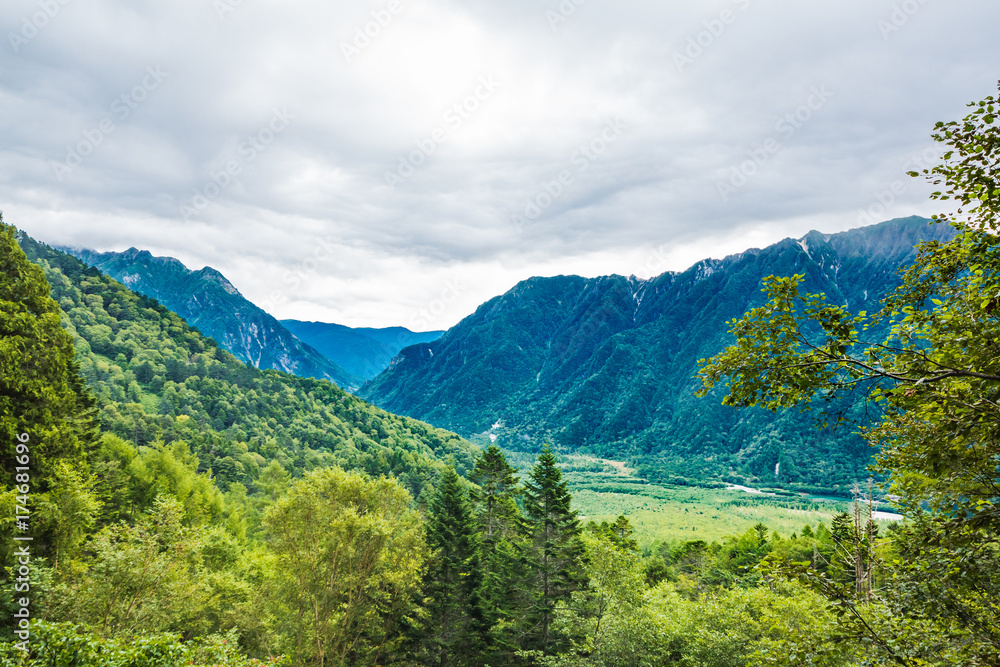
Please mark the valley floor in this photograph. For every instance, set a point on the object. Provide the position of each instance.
(603, 489)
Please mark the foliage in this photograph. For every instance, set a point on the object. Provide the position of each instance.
(556, 552)
(936, 379)
(69, 645)
(348, 551)
(604, 366)
(158, 380)
(620, 622)
(40, 390)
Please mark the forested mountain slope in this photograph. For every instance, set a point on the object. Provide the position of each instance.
(210, 303)
(607, 365)
(365, 352)
(157, 379)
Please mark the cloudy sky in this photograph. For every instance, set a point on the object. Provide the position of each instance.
(401, 161)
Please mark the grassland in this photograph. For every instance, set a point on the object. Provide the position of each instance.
(604, 489)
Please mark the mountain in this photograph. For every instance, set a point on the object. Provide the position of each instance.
(364, 352)
(211, 304)
(158, 381)
(606, 365)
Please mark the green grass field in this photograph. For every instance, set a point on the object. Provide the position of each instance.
(604, 489)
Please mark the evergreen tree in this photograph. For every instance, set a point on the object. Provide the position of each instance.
(452, 580)
(618, 533)
(47, 422)
(495, 498)
(557, 551)
(41, 391)
(502, 590)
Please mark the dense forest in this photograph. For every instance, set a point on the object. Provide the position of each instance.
(157, 380)
(209, 302)
(165, 504)
(605, 366)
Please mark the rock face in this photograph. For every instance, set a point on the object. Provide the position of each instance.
(606, 365)
(210, 303)
(364, 352)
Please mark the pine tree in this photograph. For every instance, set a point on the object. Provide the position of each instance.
(454, 635)
(495, 498)
(557, 550)
(503, 533)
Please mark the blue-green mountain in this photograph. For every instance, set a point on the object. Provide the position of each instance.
(365, 352)
(210, 303)
(159, 383)
(606, 365)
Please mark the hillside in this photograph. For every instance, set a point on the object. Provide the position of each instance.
(156, 379)
(606, 365)
(210, 303)
(365, 352)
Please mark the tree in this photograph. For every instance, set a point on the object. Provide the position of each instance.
(935, 378)
(495, 499)
(141, 578)
(557, 553)
(503, 565)
(41, 391)
(618, 533)
(348, 551)
(69, 509)
(453, 577)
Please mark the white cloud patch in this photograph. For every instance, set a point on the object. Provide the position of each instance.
(393, 252)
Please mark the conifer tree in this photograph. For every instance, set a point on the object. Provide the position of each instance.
(452, 580)
(503, 531)
(41, 391)
(557, 550)
(495, 498)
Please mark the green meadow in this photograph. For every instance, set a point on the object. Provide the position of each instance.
(603, 489)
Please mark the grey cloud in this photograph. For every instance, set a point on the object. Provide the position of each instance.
(689, 124)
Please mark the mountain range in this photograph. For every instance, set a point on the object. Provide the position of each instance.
(162, 384)
(365, 352)
(604, 366)
(210, 303)
(607, 365)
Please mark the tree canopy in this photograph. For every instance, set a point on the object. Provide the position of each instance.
(934, 382)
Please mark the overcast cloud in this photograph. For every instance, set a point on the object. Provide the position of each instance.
(406, 175)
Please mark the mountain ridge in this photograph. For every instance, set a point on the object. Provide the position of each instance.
(208, 301)
(363, 351)
(605, 365)
(162, 384)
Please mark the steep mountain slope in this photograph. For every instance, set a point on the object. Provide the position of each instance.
(364, 352)
(157, 380)
(211, 304)
(606, 365)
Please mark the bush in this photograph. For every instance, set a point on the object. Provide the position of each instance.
(69, 645)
